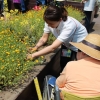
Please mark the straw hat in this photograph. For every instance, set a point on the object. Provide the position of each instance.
(90, 45)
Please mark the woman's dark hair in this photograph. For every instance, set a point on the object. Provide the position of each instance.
(79, 50)
(55, 12)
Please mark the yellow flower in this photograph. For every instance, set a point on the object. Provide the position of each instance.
(10, 82)
(11, 22)
(32, 27)
(2, 67)
(36, 61)
(2, 60)
(18, 64)
(3, 76)
(12, 46)
(22, 81)
(12, 60)
(9, 70)
(25, 43)
(17, 74)
(4, 44)
(16, 10)
(8, 53)
(2, 18)
(11, 11)
(42, 57)
(26, 22)
(23, 51)
(7, 15)
(17, 51)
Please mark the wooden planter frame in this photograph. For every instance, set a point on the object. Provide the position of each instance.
(27, 90)
(52, 68)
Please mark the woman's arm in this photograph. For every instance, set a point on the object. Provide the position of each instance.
(47, 49)
(42, 40)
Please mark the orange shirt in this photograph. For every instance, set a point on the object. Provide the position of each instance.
(81, 78)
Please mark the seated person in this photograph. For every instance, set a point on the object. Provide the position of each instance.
(81, 79)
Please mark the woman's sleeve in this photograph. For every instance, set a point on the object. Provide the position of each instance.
(46, 28)
(67, 32)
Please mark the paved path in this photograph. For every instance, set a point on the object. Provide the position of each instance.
(95, 25)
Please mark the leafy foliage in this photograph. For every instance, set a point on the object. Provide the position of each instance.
(17, 32)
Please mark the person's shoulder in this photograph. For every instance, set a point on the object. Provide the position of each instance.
(76, 63)
(72, 63)
(69, 22)
(72, 21)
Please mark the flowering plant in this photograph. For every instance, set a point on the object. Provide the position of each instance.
(17, 32)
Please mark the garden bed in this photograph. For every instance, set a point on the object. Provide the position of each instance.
(26, 91)
(21, 31)
(52, 68)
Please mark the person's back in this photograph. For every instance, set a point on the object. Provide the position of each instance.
(89, 5)
(81, 77)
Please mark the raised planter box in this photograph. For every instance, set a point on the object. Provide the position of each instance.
(74, 4)
(52, 68)
(27, 91)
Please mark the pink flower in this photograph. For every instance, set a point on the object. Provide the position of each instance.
(36, 8)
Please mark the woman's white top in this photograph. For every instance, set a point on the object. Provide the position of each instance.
(89, 5)
(70, 30)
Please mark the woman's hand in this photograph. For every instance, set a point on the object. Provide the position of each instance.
(29, 57)
(32, 49)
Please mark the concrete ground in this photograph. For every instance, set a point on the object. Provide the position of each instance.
(95, 25)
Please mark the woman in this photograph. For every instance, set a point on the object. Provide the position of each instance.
(64, 28)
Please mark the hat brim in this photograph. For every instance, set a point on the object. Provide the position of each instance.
(87, 50)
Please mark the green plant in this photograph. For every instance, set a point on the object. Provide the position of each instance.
(75, 12)
(17, 32)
